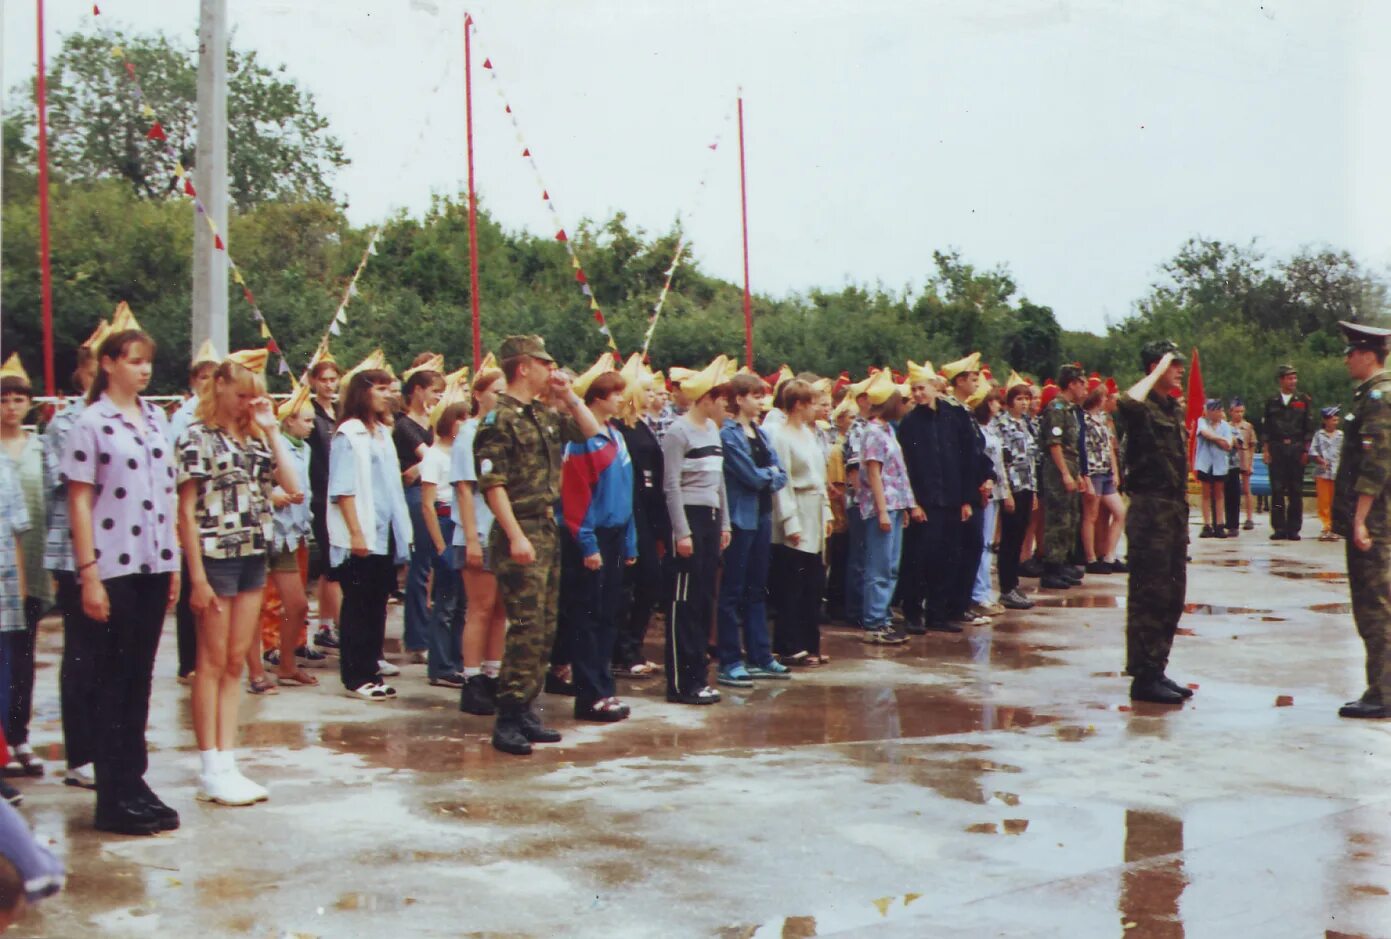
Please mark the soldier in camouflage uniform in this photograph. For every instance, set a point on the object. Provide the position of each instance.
(1063, 482)
(518, 449)
(1156, 528)
(1362, 510)
(1287, 427)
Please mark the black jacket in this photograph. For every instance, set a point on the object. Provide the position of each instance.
(943, 455)
(649, 503)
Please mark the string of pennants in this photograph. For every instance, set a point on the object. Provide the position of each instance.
(695, 203)
(340, 316)
(157, 134)
(560, 234)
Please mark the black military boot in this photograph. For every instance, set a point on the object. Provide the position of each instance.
(1172, 685)
(534, 730)
(1073, 571)
(507, 732)
(1151, 688)
(1054, 579)
(477, 696)
(167, 817)
(123, 814)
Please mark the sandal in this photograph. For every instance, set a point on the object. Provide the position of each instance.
(639, 670)
(298, 677)
(802, 659)
(604, 711)
(262, 685)
(371, 691)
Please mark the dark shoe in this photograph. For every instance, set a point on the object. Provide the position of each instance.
(448, 681)
(1248, 525)
(1073, 571)
(914, 628)
(1219, 532)
(1206, 532)
(1153, 690)
(1098, 567)
(10, 794)
(534, 730)
(706, 695)
(1233, 531)
(1293, 536)
(326, 639)
(507, 734)
(1056, 582)
(884, 636)
(167, 817)
(1119, 567)
(947, 627)
(476, 697)
(601, 711)
(1368, 710)
(1014, 600)
(1277, 536)
(1172, 685)
(125, 817)
(557, 685)
(1032, 568)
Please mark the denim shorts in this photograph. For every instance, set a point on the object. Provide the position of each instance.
(1104, 484)
(1210, 477)
(231, 576)
(284, 562)
(458, 557)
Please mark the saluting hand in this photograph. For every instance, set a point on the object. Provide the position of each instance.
(263, 413)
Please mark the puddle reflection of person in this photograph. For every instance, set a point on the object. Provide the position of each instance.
(1154, 878)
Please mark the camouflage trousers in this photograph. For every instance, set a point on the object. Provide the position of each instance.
(1062, 516)
(1370, 585)
(1156, 531)
(531, 595)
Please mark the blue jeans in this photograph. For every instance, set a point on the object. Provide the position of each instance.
(855, 566)
(980, 593)
(418, 577)
(444, 637)
(881, 555)
(744, 595)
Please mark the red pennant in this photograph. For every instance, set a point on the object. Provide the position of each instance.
(188, 187)
(130, 70)
(96, 10)
(599, 317)
(508, 108)
(579, 276)
(250, 297)
(272, 346)
(217, 243)
(561, 236)
(714, 146)
(545, 195)
(156, 132)
(487, 63)
(526, 152)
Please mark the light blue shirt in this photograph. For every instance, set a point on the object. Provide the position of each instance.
(386, 476)
(464, 470)
(181, 419)
(1209, 457)
(292, 521)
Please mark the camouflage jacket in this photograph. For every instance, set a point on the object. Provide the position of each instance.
(1364, 469)
(1058, 427)
(1289, 425)
(1155, 443)
(519, 446)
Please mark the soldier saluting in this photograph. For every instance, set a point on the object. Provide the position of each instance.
(1362, 510)
(1288, 427)
(1156, 527)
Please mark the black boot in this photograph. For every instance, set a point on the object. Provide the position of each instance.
(124, 815)
(507, 732)
(1032, 568)
(534, 730)
(477, 696)
(1150, 688)
(167, 817)
(1172, 685)
(1054, 579)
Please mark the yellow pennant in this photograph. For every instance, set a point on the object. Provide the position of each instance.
(118, 52)
(265, 331)
(236, 276)
(148, 112)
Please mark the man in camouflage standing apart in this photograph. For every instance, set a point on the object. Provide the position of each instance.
(1287, 427)
(1060, 437)
(518, 450)
(1362, 510)
(1156, 528)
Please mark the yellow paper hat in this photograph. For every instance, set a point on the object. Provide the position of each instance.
(784, 374)
(582, 382)
(635, 373)
(859, 388)
(206, 353)
(123, 319)
(459, 378)
(846, 406)
(322, 355)
(822, 386)
(921, 373)
(677, 374)
(975, 400)
(253, 360)
(299, 401)
(881, 387)
(970, 363)
(489, 362)
(434, 363)
(731, 368)
(454, 393)
(98, 336)
(1015, 380)
(697, 385)
(14, 368)
(659, 381)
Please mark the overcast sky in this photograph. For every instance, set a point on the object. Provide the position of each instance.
(1078, 142)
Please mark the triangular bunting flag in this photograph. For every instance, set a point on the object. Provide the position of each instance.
(156, 132)
(147, 112)
(237, 278)
(594, 304)
(545, 195)
(487, 63)
(179, 170)
(341, 316)
(117, 52)
(508, 108)
(273, 346)
(574, 262)
(714, 145)
(526, 151)
(560, 236)
(284, 369)
(130, 67)
(352, 289)
(250, 297)
(96, 10)
(579, 276)
(217, 243)
(188, 188)
(335, 329)
(265, 331)
(584, 289)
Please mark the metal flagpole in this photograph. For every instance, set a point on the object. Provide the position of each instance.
(744, 212)
(472, 196)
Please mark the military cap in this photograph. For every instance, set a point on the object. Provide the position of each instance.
(1069, 374)
(1283, 370)
(1153, 351)
(1363, 337)
(1329, 411)
(533, 346)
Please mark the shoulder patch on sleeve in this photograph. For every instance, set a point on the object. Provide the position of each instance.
(1057, 431)
(1376, 394)
(491, 419)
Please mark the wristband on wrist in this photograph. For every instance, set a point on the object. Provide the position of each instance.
(83, 567)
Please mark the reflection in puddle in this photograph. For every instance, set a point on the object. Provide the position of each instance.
(1150, 892)
(1211, 609)
(1082, 602)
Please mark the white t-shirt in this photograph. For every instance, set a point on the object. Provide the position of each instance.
(434, 468)
(462, 469)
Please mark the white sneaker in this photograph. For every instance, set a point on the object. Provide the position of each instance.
(386, 669)
(259, 792)
(81, 776)
(225, 789)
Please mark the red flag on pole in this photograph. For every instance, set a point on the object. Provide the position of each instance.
(1196, 400)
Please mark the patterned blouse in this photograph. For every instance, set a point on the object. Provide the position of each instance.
(233, 508)
(57, 550)
(14, 522)
(1020, 452)
(1098, 443)
(879, 444)
(29, 470)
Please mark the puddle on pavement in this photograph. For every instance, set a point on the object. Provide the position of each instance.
(1212, 609)
(1082, 602)
(373, 902)
(978, 647)
(1331, 608)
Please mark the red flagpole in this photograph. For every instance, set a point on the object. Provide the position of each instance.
(472, 197)
(744, 211)
(45, 268)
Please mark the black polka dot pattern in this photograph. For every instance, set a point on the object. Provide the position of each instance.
(107, 524)
(124, 559)
(120, 492)
(80, 456)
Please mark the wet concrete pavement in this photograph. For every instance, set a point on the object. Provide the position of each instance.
(996, 783)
